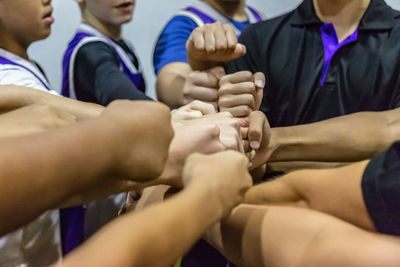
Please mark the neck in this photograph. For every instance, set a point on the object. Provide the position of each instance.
(231, 9)
(345, 15)
(13, 45)
(113, 32)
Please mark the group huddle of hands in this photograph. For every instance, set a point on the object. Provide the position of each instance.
(212, 141)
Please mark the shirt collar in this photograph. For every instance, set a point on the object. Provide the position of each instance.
(378, 16)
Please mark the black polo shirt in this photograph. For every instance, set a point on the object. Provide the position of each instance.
(381, 190)
(363, 75)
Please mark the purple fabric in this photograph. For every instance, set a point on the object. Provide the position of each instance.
(72, 221)
(4, 60)
(205, 18)
(255, 13)
(332, 45)
(67, 58)
(136, 78)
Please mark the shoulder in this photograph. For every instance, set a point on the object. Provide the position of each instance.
(180, 23)
(14, 75)
(94, 53)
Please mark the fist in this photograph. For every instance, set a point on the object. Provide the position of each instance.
(193, 110)
(224, 174)
(241, 93)
(215, 42)
(203, 86)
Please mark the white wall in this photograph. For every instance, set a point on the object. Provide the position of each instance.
(150, 17)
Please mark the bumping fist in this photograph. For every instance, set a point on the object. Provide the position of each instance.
(193, 110)
(224, 174)
(203, 86)
(215, 42)
(241, 93)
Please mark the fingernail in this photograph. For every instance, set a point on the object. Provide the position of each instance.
(255, 145)
(260, 83)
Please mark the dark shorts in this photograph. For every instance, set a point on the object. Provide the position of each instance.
(381, 190)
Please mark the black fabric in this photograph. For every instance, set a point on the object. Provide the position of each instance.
(99, 78)
(381, 190)
(363, 76)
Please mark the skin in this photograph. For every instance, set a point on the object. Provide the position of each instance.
(264, 236)
(178, 83)
(107, 16)
(164, 232)
(19, 29)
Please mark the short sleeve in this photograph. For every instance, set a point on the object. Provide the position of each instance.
(171, 45)
(381, 190)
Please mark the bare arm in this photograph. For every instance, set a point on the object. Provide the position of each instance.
(333, 191)
(288, 236)
(349, 138)
(160, 234)
(106, 158)
(14, 97)
(170, 83)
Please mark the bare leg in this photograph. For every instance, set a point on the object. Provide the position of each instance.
(289, 236)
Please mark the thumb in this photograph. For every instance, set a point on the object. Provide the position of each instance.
(259, 81)
(256, 128)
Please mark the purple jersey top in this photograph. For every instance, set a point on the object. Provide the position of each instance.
(87, 34)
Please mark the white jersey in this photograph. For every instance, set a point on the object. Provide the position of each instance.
(38, 243)
(21, 72)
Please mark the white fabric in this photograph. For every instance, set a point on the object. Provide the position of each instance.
(212, 13)
(16, 75)
(38, 243)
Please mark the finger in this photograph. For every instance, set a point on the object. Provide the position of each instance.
(202, 93)
(203, 78)
(203, 107)
(259, 81)
(198, 40)
(237, 89)
(231, 37)
(221, 41)
(238, 77)
(209, 37)
(229, 101)
(218, 71)
(246, 146)
(244, 131)
(240, 111)
(256, 127)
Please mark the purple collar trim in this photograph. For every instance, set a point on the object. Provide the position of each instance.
(332, 45)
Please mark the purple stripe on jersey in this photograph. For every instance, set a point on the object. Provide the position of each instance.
(204, 17)
(255, 13)
(332, 45)
(72, 222)
(67, 58)
(136, 78)
(4, 60)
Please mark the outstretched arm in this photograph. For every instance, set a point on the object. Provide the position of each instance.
(162, 233)
(106, 153)
(14, 97)
(257, 236)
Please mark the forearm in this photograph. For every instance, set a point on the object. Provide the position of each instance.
(264, 236)
(156, 236)
(14, 97)
(343, 139)
(289, 166)
(49, 168)
(170, 82)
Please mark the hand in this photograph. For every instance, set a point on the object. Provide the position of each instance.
(224, 174)
(215, 42)
(203, 86)
(33, 119)
(241, 93)
(193, 110)
(142, 132)
(257, 134)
